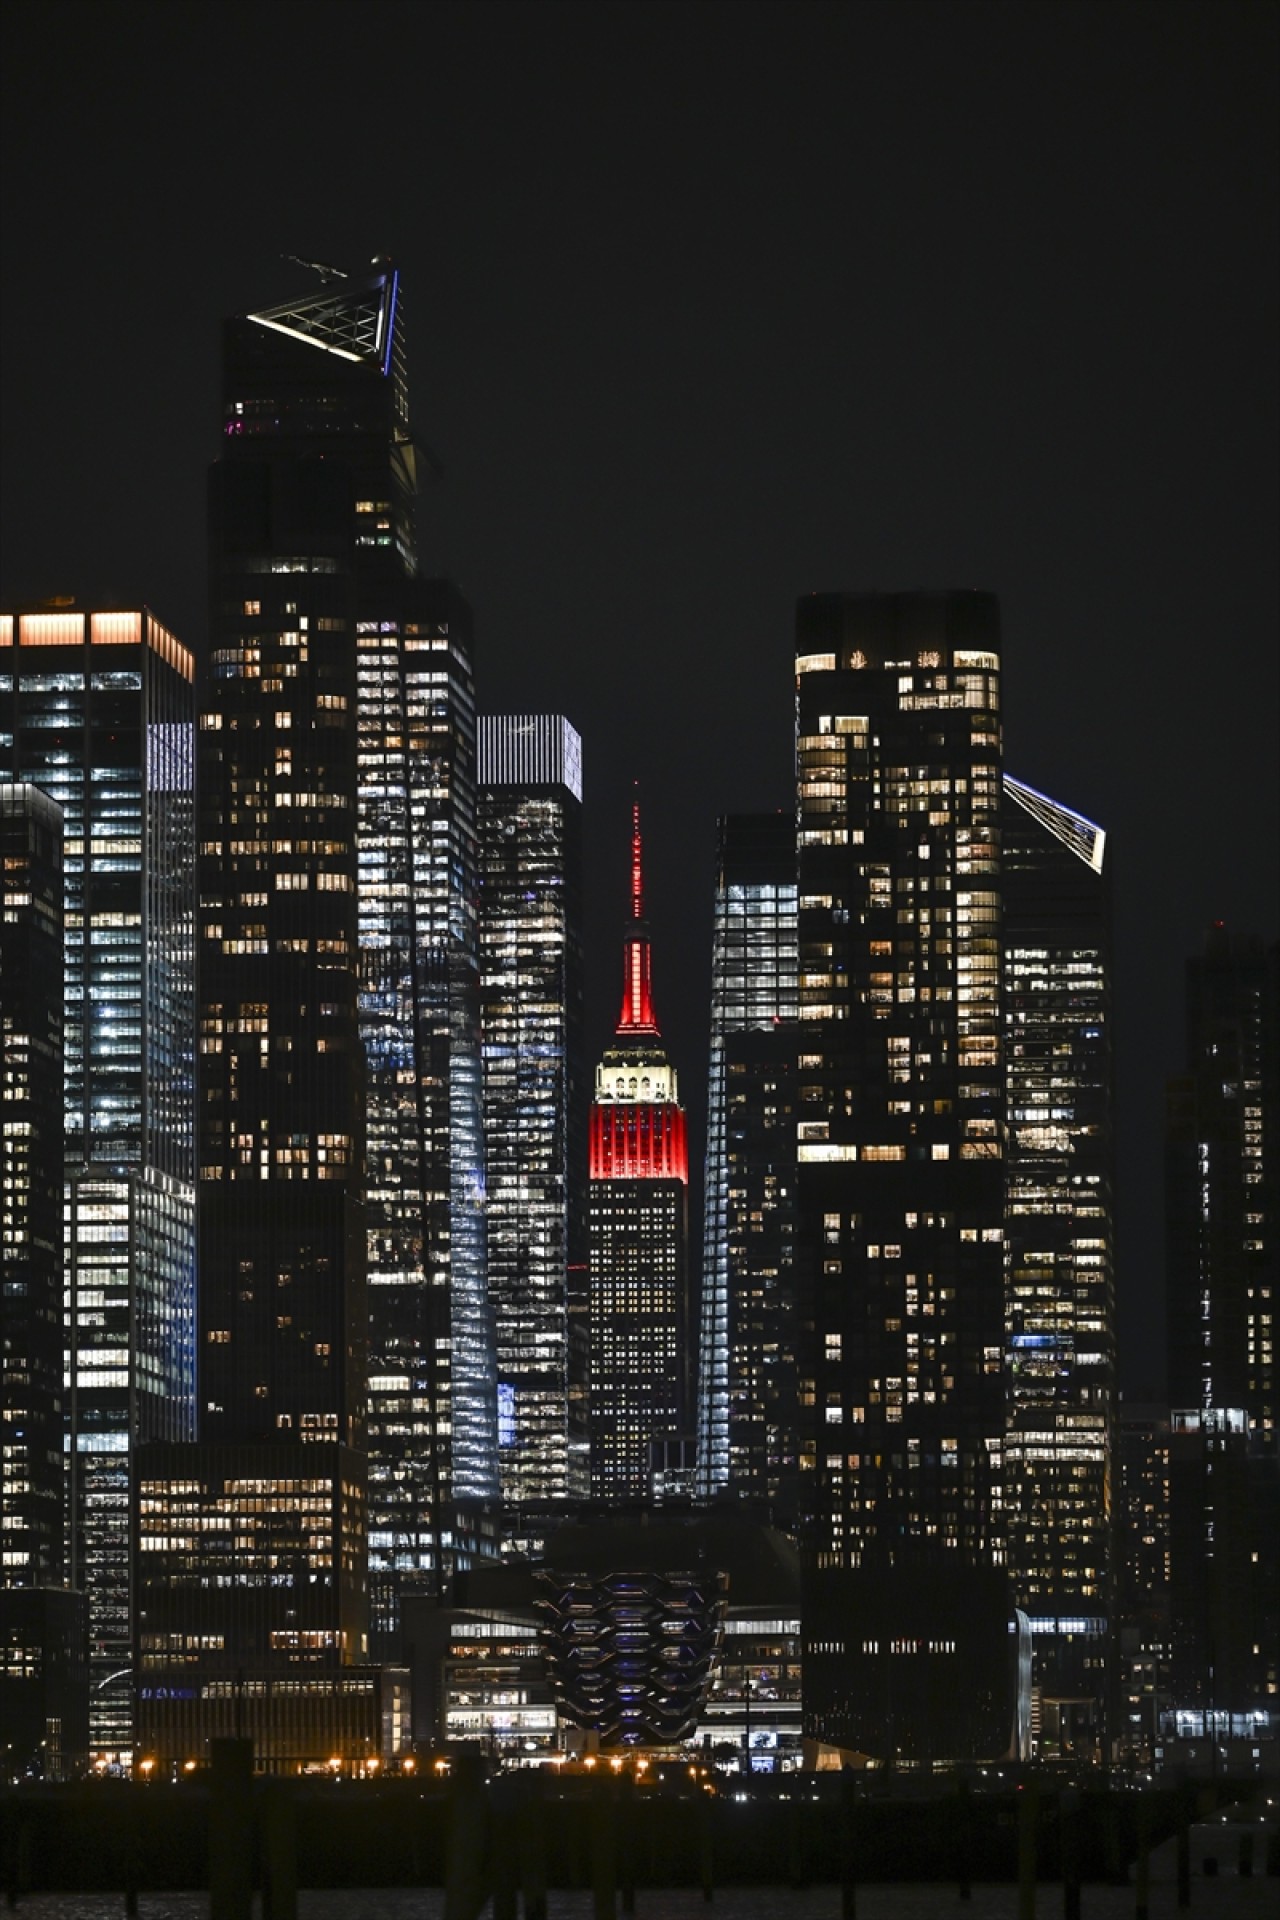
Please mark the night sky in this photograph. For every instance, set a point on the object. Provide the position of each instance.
(710, 306)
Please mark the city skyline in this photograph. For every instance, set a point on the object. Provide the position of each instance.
(694, 331)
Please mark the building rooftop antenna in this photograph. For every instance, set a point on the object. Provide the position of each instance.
(326, 272)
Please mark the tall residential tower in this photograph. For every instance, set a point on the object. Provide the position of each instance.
(900, 1242)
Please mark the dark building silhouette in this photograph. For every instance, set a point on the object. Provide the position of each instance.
(900, 1101)
(1224, 1576)
(1059, 1454)
(638, 1232)
(535, 1099)
(44, 1683)
(1221, 1175)
(1142, 1570)
(1224, 1449)
(99, 713)
(747, 1408)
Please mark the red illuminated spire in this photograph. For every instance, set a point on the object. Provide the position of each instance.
(637, 993)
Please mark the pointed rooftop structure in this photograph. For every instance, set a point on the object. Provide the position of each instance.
(637, 1122)
(637, 1015)
(1083, 838)
(357, 322)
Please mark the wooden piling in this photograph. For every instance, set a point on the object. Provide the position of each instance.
(1069, 1816)
(1028, 1816)
(1142, 1868)
(533, 1845)
(604, 1856)
(279, 1849)
(231, 1829)
(466, 1882)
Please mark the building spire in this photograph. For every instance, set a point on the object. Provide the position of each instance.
(637, 1016)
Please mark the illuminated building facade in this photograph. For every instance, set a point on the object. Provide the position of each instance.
(495, 1688)
(31, 1145)
(99, 714)
(432, 1438)
(747, 1406)
(1060, 1260)
(339, 977)
(900, 1176)
(535, 1099)
(253, 1614)
(638, 1231)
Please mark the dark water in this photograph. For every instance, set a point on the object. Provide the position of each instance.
(1217, 1894)
(1225, 1897)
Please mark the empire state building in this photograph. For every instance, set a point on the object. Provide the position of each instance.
(638, 1210)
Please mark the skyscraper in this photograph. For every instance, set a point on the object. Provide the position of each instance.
(1221, 1206)
(346, 1354)
(747, 1405)
(1222, 1169)
(638, 1214)
(339, 871)
(535, 1098)
(900, 1104)
(432, 1414)
(99, 714)
(1060, 1465)
(31, 1147)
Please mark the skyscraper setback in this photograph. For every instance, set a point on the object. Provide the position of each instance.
(900, 1104)
(535, 1098)
(99, 714)
(638, 1209)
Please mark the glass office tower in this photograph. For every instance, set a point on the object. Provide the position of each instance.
(343, 1287)
(747, 1407)
(1060, 1260)
(432, 1394)
(638, 1232)
(900, 1178)
(535, 1098)
(31, 1148)
(99, 713)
